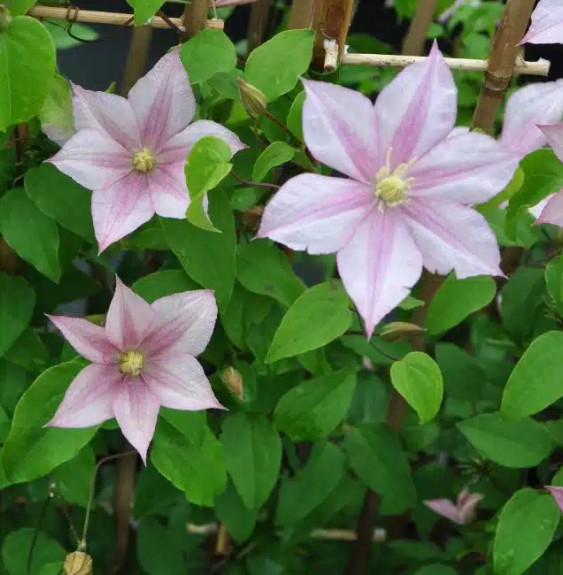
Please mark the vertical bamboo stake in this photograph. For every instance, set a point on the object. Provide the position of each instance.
(301, 14)
(137, 57)
(502, 61)
(258, 24)
(416, 36)
(195, 16)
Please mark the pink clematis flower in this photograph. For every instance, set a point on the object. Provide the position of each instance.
(131, 151)
(142, 359)
(410, 187)
(547, 24)
(462, 512)
(557, 493)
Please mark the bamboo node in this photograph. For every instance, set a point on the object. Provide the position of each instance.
(331, 55)
(214, 24)
(72, 13)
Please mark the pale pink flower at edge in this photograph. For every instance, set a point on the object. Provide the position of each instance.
(131, 151)
(142, 359)
(410, 187)
(547, 24)
(461, 512)
(557, 494)
(552, 212)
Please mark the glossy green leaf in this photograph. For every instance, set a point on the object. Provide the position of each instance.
(295, 116)
(418, 379)
(436, 569)
(276, 154)
(57, 116)
(520, 443)
(16, 308)
(157, 551)
(525, 529)
(275, 66)
(264, 269)
(33, 450)
(27, 67)
(537, 380)
(145, 10)
(208, 53)
(163, 283)
(15, 551)
(19, 7)
(316, 318)
(252, 456)
(456, 299)
(74, 478)
(231, 510)
(314, 408)
(554, 283)
(36, 242)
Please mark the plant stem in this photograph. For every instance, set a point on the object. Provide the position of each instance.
(258, 24)
(255, 184)
(413, 44)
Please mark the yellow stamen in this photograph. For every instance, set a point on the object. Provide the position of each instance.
(391, 186)
(131, 363)
(143, 161)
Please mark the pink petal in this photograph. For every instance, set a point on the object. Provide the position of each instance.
(93, 159)
(467, 504)
(87, 338)
(108, 113)
(452, 236)
(179, 382)
(178, 147)
(121, 208)
(339, 129)
(89, 399)
(416, 110)
(525, 110)
(467, 168)
(547, 24)
(445, 508)
(136, 410)
(183, 323)
(168, 191)
(163, 101)
(129, 318)
(537, 210)
(316, 213)
(557, 493)
(554, 135)
(379, 265)
(552, 212)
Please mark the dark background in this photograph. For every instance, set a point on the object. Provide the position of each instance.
(95, 65)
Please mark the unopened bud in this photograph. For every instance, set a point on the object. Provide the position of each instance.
(78, 563)
(5, 18)
(233, 380)
(252, 98)
(397, 329)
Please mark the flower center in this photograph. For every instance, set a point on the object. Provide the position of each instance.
(131, 363)
(143, 161)
(391, 187)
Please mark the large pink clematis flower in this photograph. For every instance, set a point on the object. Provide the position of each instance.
(131, 151)
(461, 512)
(552, 212)
(142, 359)
(409, 189)
(547, 24)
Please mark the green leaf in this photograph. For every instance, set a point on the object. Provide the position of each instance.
(554, 283)
(61, 198)
(377, 457)
(57, 116)
(74, 478)
(436, 569)
(29, 352)
(145, 10)
(316, 318)
(303, 493)
(33, 450)
(163, 283)
(264, 269)
(525, 529)
(275, 66)
(15, 549)
(537, 380)
(208, 53)
(456, 299)
(231, 510)
(273, 156)
(36, 242)
(19, 7)
(158, 552)
(27, 59)
(314, 408)
(207, 165)
(193, 463)
(521, 443)
(418, 379)
(16, 309)
(252, 456)
(209, 259)
(464, 379)
(295, 115)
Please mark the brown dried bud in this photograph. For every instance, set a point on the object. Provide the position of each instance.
(252, 98)
(233, 380)
(397, 329)
(78, 563)
(252, 217)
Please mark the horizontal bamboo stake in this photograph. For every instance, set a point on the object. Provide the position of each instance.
(539, 68)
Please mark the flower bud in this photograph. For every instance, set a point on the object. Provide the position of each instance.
(397, 329)
(78, 563)
(252, 98)
(5, 18)
(233, 380)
